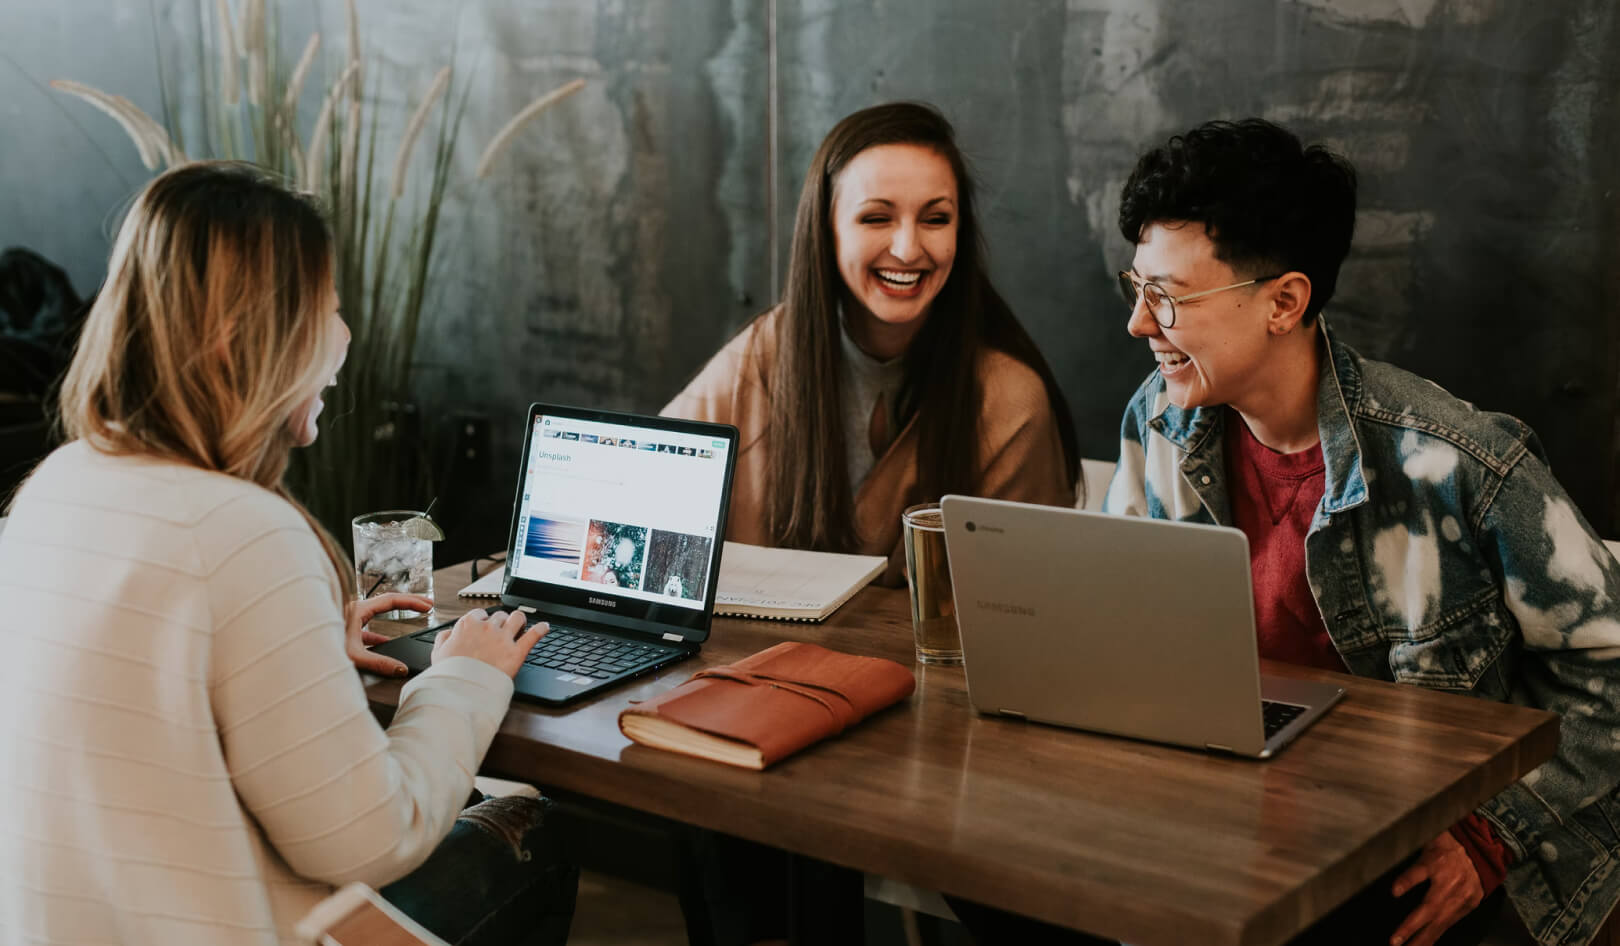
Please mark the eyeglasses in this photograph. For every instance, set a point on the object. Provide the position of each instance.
(1162, 305)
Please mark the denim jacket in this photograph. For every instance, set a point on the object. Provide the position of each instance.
(1444, 554)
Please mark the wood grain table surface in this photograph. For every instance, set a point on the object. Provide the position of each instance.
(1149, 844)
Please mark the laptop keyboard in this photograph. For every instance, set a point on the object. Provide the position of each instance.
(588, 654)
(1278, 715)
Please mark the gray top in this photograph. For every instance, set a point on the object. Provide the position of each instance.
(863, 380)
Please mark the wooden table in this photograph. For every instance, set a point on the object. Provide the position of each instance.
(1144, 843)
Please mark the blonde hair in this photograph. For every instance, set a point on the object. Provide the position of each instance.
(210, 332)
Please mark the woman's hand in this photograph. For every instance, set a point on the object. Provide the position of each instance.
(356, 638)
(495, 640)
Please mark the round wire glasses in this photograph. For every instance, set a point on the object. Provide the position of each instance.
(1162, 305)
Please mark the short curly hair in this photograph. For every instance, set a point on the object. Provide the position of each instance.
(1269, 203)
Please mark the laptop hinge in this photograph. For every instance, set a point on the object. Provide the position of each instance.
(526, 608)
(1014, 713)
(673, 637)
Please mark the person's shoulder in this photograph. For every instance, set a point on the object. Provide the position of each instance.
(752, 341)
(740, 366)
(750, 348)
(1150, 397)
(225, 512)
(1148, 401)
(155, 486)
(155, 506)
(1398, 398)
(1010, 386)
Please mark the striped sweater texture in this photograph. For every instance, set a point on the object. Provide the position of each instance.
(186, 753)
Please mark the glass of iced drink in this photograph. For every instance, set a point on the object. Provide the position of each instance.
(393, 551)
(933, 609)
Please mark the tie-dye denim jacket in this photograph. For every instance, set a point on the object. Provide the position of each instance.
(1444, 554)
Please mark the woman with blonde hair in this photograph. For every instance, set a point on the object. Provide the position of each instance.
(187, 752)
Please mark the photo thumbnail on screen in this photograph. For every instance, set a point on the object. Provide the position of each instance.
(614, 554)
(678, 565)
(553, 546)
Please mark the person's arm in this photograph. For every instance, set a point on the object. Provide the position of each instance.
(337, 798)
(1563, 588)
(1026, 463)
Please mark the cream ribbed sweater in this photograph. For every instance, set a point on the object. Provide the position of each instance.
(186, 753)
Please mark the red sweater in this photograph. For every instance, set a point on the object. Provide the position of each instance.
(1274, 496)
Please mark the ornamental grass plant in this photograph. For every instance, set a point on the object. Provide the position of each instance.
(384, 201)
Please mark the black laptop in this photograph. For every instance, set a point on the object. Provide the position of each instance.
(615, 540)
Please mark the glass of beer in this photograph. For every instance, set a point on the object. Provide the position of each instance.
(933, 609)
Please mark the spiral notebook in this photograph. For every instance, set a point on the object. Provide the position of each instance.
(790, 584)
(760, 582)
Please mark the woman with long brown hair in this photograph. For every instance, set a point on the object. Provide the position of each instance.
(892, 372)
(188, 753)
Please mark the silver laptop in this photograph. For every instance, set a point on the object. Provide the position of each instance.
(1118, 624)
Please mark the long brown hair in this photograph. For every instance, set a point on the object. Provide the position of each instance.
(210, 332)
(811, 503)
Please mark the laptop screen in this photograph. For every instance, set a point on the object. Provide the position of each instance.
(625, 513)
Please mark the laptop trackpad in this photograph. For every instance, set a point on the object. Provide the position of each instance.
(413, 652)
(549, 684)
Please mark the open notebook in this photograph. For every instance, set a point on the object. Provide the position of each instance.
(790, 584)
(760, 582)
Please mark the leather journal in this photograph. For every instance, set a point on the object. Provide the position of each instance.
(768, 706)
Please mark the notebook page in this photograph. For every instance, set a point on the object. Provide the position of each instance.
(753, 576)
(487, 586)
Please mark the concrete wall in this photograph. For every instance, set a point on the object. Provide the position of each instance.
(629, 232)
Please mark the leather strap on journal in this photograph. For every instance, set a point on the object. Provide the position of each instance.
(843, 712)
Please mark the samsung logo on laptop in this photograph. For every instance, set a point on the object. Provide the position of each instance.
(603, 602)
(1006, 608)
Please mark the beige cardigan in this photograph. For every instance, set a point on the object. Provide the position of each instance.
(186, 753)
(1020, 452)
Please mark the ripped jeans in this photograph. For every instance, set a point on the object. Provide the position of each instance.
(498, 879)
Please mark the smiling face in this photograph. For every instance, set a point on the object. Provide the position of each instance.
(894, 214)
(302, 424)
(1216, 353)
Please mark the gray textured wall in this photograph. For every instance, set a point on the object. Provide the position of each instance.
(627, 234)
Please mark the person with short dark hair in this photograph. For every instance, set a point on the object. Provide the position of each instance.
(1395, 531)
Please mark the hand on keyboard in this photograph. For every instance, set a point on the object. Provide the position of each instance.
(494, 639)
